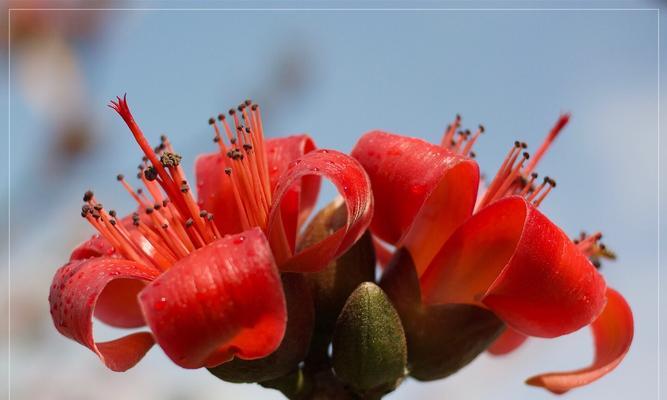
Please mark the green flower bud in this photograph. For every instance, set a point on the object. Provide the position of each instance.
(441, 339)
(369, 349)
(292, 350)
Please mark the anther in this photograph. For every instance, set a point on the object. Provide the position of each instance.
(232, 111)
(228, 171)
(120, 177)
(481, 128)
(524, 145)
(211, 121)
(157, 206)
(98, 206)
(247, 146)
(140, 191)
(165, 226)
(85, 208)
(221, 117)
(248, 102)
(150, 174)
(254, 107)
(112, 213)
(112, 222)
(526, 155)
(189, 222)
(87, 196)
(203, 213)
(517, 144)
(149, 210)
(170, 159)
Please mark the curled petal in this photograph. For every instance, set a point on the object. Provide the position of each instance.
(74, 293)
(509, 341)
(96, 246)
(422, 192)
(215, 193)
(511, 259)
(300, 198)
(613, 332)
(354, 186)
(223, 300)
(117, 304)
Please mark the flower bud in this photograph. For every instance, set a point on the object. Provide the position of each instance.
(441, 339)
(333, 285)
(369, 349)
(292, 350)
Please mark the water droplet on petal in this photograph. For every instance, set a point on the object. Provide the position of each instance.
(417, 189)
(160, 304)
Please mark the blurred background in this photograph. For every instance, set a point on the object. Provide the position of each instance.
(334, 74)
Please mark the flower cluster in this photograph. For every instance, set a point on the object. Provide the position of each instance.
(239, 279)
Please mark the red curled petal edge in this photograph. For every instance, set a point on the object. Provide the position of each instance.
(223, 300)
(299, 200)
(74, 293)
(423, 192)
(117, 304)
(355, 188)
(613, 331)
(508, 341)
(512, 260)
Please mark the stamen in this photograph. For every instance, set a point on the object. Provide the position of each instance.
(468, 147)
(557, 128)
(449, 133)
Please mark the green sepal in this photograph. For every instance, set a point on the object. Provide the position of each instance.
(332, 286)
(441, 339)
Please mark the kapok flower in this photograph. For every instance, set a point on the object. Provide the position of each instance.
(208, 287)
(495, 250)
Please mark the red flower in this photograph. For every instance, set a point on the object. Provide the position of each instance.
(495, 250)
(208, 288)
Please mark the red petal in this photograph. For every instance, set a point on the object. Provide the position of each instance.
(510, 258)
(74, 293)
(423, 192)
(96, 246)
(215, 193)
(222, 300)
(613, 332)
(509, 341)
(118, 306)
(300, 198)
(354, 186)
